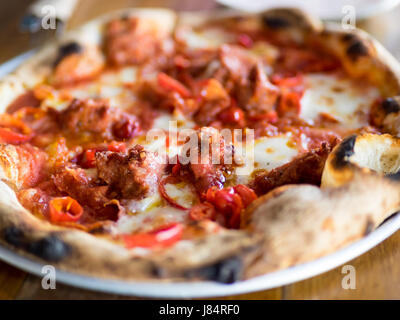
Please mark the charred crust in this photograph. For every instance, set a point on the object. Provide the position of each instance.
(225, 271)
(349, 37)
(344, 151)
(14, 236)
(369, 226)
(274, 22)
(393, 176)
(356, 49)
(66, 50)
(391, 105)
(50, 248)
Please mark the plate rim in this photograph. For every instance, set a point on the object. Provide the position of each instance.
(204, 289)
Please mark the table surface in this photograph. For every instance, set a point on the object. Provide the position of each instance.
(377, 271)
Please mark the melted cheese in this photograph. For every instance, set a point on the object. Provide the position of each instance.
(111, 85)
(268, 153)
(344, 99)
(182, 193)
(148, 220)
(205, 39)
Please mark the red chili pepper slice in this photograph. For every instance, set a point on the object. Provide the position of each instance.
(9, 136)
(65, 209)
(117, 146)
(13, 130)
(248, 195)
(228, 202)
(287, 81)
(164, 236)
(170, 84)
(245, 40)
(164, 194)
(87, 159)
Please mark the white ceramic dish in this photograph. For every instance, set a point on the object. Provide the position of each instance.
(157, 289)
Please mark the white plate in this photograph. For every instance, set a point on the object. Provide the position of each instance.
(203, 289)
(211, 289)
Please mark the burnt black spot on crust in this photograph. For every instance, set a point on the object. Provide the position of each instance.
(66, 50)
(14, 236)
(275, 22)
(226, 271)
(394, 176)
(356, 49)
(349, 37)
(344, 151)
(368, 227)
(390, 105)
(50, 248)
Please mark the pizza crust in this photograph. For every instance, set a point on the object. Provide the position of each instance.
(277, 222)
(358, 192)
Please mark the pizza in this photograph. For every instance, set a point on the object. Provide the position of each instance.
(151, 145)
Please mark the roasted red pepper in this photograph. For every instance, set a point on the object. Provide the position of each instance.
(87, 159)
(9, 136)
(65, 209)
(117, 146)
(170, 84)
(13, 130)
(287, 81)
(245, 40)
(164, 236)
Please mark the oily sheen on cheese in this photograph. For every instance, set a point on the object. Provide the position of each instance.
(343, 99)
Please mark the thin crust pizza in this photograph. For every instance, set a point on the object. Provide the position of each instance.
(148, 145)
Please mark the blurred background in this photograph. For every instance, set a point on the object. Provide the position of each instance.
(17, 25)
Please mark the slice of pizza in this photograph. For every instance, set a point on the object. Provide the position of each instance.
(151, 145)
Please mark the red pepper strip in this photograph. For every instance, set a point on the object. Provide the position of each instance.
(283, 81)
(270, 116)
(65, 209)
(164, 236)
(164, 194)
(170, 84)
(245, 40)
(88, 159)
(117, 146)
(9, 136)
